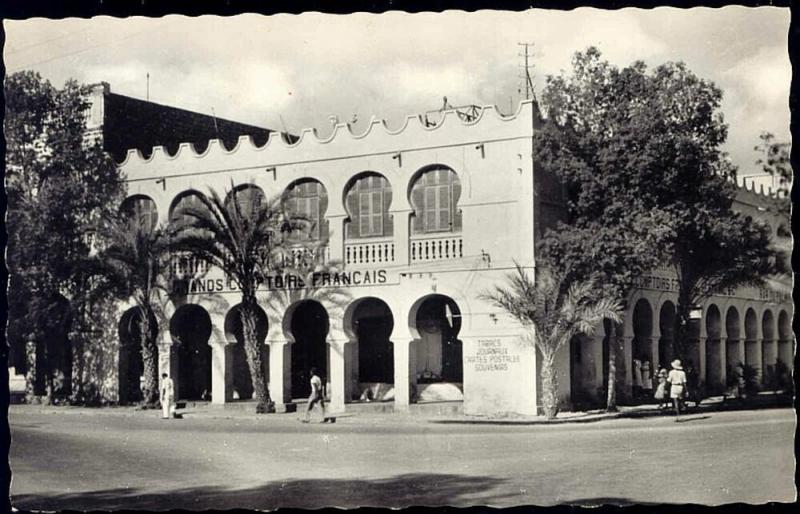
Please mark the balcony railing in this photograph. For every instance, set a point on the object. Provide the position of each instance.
(435, 248)
(185, 265)
(369, 251)
(303, 256)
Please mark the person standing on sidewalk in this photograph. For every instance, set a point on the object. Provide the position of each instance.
(315, 397)
(167, 396)
(677, 391)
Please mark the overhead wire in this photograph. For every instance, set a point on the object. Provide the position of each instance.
(89, 48)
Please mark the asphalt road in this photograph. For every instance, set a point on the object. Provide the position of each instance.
(110, 461)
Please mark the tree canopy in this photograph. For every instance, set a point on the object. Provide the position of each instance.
(646, 181)
(59, 184)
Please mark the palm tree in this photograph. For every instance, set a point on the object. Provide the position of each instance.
(243, 236)
(135, 263)
(308, 260)
(552, 312)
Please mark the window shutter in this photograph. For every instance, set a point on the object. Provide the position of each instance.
(363, 214)
(429, 208)
(377, 213)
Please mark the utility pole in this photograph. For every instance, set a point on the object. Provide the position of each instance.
(527, 81)
(148, 86)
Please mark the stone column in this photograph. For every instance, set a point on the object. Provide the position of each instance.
(723, 360)
(701, 357)
(174, 368)
(280, 374)
(336, 237)
(654, 358)
(405, 377)
(338, 374)
(221, 372)
(401, 237)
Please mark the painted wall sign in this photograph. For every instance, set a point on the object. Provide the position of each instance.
(285, 281)
(492, 355)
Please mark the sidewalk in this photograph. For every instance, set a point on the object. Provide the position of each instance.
(210, 411)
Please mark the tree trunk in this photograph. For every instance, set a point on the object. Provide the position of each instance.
(150, 363)
(254, 362)
(611, 398)
(680, 343)
(549, 385)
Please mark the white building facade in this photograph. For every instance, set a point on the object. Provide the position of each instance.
(422, 219)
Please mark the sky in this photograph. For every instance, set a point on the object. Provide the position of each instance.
(288, 72)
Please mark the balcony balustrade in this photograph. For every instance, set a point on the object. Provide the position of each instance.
(369, 251)
(426, 248)
(303, 256)
(185, 265)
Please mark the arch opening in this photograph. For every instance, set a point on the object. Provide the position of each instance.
(190, 328)
(369, 323)
(131, 364)
(439, 355)
(309, 325)
(234, 333)
(752, 355)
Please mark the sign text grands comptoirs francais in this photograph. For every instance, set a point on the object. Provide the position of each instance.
(286, 281)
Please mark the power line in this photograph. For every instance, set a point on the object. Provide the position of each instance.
(70, 54)
(40, 43)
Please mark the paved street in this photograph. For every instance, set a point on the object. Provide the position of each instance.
(107, 460)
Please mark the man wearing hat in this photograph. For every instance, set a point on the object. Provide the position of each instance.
(677, 381)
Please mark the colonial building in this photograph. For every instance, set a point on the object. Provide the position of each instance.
(423, 218)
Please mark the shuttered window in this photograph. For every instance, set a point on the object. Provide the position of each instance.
(367, 203)
(141, 210)
(434, 196)
(249, 198)
(186, 201)
(308, 200)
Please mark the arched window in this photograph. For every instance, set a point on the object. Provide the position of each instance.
(367, 201)
(249, 197)
(434, 197)
(182, 201)
(141, 210)
(307, 198)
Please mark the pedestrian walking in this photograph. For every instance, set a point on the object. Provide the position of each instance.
(677, 390)
(167, 396)
(661, 388)
(315, 397)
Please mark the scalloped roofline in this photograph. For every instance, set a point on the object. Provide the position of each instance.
(760, 190)
(311, 135)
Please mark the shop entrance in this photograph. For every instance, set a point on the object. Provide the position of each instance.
(439, 352)
(190, 328)
(309, 326)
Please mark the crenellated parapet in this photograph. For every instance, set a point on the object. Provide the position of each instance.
(415, 132)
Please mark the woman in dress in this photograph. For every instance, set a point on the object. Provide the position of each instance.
(661, 389)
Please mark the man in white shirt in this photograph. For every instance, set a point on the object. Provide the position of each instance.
(677, 381)
(315, 397)
(167, 395)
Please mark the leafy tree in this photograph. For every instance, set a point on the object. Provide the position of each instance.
(135, 265)
(552, 310)
(244, 237)
(646, 183)
(776, 161)
(59, 183)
